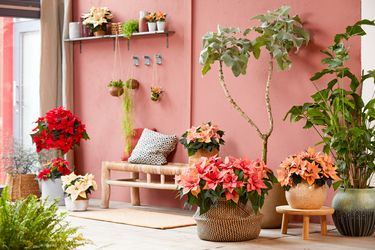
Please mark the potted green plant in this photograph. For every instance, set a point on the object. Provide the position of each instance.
(116, 88)
(279, 34)
(20, 163)
(129, 27)
(305, 177)
(97, 19)
(229, 193)
(345, 124)
(151, 21)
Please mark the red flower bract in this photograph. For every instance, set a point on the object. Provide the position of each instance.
(54, 169)
(58, 129)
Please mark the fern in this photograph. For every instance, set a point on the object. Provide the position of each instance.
(32, 224)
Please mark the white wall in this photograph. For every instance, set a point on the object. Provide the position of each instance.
(368, 51)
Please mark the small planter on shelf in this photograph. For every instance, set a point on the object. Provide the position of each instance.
(98, 28)
(305, 177)
(202, 141)
(227, 193)
(50, 179)
(160, 21)
(151, 21)
(77, 189)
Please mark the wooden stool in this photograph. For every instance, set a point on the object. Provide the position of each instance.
(306, 213)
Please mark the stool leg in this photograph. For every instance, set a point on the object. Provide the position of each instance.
(323, 224)
(106, 189)
(284, 224)
(306, 224)
(134, 192)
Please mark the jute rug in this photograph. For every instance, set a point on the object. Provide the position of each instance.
(138, 216)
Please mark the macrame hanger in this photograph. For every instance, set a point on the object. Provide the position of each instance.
(117, 61)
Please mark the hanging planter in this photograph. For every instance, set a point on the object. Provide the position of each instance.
(116, 88)
(156, 92)
(132, 84)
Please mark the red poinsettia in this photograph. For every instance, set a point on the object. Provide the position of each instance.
(59, 129)
(54, 169)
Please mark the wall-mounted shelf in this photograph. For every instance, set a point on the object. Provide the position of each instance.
(135, 35)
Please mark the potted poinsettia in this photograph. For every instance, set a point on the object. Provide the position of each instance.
(77, 189)
(156, 92)
(160, 20)
(229, 193)
(50, 178)
(151, 21)
(203, 140)
(97, 19)
(305, 177)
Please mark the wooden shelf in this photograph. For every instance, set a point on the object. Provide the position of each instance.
(135, 35)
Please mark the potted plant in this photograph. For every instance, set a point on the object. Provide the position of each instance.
(160, 20)
(97, 19)
(229, 193)
(19, 164)
(202, 141)
(156, 92)
(279, 34)
(129, 27)
(345, 124)
(116, 88)
(50, 178)
(77, 188)
(151, 21)
(305, 177)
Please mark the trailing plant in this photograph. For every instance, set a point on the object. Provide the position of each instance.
(129, 27)
(18, 159)
(339, 115)
(117, 84)
(278, 34)
(235, 180)
(127, 119)
(308, 166)
(32, 224)
(206, 136)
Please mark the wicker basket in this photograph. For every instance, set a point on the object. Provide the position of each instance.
(225, 223)
(22, 185)
(116, 28)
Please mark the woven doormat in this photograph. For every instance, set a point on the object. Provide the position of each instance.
(142, 217)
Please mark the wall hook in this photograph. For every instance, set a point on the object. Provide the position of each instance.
(135, 60)
(147, 60)
(158, 59)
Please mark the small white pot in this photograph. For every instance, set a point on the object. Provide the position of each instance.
(77, 205)
(74, 30)
(161, 25)
(52, 189)
(151, 27)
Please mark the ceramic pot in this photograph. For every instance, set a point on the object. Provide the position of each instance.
(354, 211)
(201, 153)
(151, 26)
(275, 197)
(52, 189)
(304, 196)
(160, 25)
(99, 33)
(74, 30)
(78, 205)
(116, 91)
(226, 223)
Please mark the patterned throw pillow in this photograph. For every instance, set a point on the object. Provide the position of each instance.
(153, 148)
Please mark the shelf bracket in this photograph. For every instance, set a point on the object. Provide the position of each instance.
(114, 44)
(167, 42)
(80, 47)
(128, 44)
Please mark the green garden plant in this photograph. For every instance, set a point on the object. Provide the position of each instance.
(278, 34)
(339, 115)
(129, 27)
(117, 84)
(32, 224)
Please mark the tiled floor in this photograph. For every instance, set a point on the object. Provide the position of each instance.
(119, 236)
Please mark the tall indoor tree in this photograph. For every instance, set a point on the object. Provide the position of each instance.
(278, 34)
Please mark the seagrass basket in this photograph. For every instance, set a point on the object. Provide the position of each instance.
(225, 223)
(116, 28)
(22, 185)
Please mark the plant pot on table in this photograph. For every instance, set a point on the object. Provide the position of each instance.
(305, 196)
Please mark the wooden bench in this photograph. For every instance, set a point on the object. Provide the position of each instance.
(134, 182)
(306, 213)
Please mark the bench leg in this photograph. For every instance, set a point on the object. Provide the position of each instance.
(306, 224)
(134, 192)
(284, 224)
(323, 225)
(106, 189)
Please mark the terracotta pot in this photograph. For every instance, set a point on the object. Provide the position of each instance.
(78, 205)
(201, 153)
(132, 84)
(226, 223)
(304, 196)
(99, 33)
(275, 197)
(116, 91)
(22, 185)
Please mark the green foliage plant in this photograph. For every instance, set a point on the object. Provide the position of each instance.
(278, 34)
(127, 120)
(129, 27)
(117, 84)
(339, 115)
(32, 224)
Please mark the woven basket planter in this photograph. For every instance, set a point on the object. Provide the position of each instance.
(226, 223)
(22, 185)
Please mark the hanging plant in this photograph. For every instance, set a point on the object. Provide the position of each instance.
(116, 88)
(127, 120)
(156, 92)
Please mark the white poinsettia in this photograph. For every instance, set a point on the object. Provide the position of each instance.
(97, 16)
(76, 186)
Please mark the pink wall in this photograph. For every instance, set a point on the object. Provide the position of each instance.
(191, 98)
